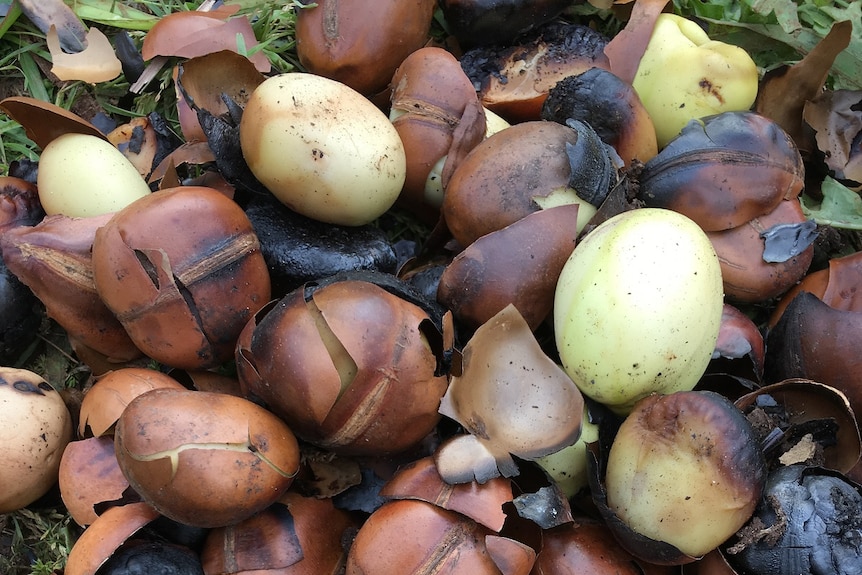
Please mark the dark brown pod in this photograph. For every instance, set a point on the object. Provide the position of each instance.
(743, 251)
(438, 116)
(514, 80)
(509, 175)
(441, 542)
(348, 367)
(294, 536)
(610, 106)
(588, 546)
(815, 341)
(724, 170)
(182, 271)
(519, 265)
(53, 259)
(483, 22)
(361, 43)
(204, 459)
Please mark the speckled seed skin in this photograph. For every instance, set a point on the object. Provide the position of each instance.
(638, 307)
(323, 149)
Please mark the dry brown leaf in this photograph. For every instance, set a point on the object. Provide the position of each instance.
(836, 117)
(626, 49)
(784, 91)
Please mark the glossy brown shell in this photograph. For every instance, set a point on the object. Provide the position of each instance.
(182, 271)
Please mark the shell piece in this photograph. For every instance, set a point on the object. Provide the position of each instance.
(96, 63)
(89, 475)
(361, 43)
(105, 535)
(105, 401)
(805, 401)
(511, 397)
(205, 459)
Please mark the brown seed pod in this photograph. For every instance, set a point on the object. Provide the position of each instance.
(438, 116)
(361, 43)
(182, 271)
(724, 170)
(588, 546)
(513, 173)
(54, 260)
(421, 480)
(204, 459)
(348, 367)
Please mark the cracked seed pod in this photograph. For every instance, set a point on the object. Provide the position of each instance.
(182, 271)
(53, 258)
(204, 459)
(349, 367)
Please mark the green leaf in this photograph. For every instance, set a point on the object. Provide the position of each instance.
(112, 13)
(841, 207)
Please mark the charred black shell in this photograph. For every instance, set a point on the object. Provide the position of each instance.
(298, 249)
